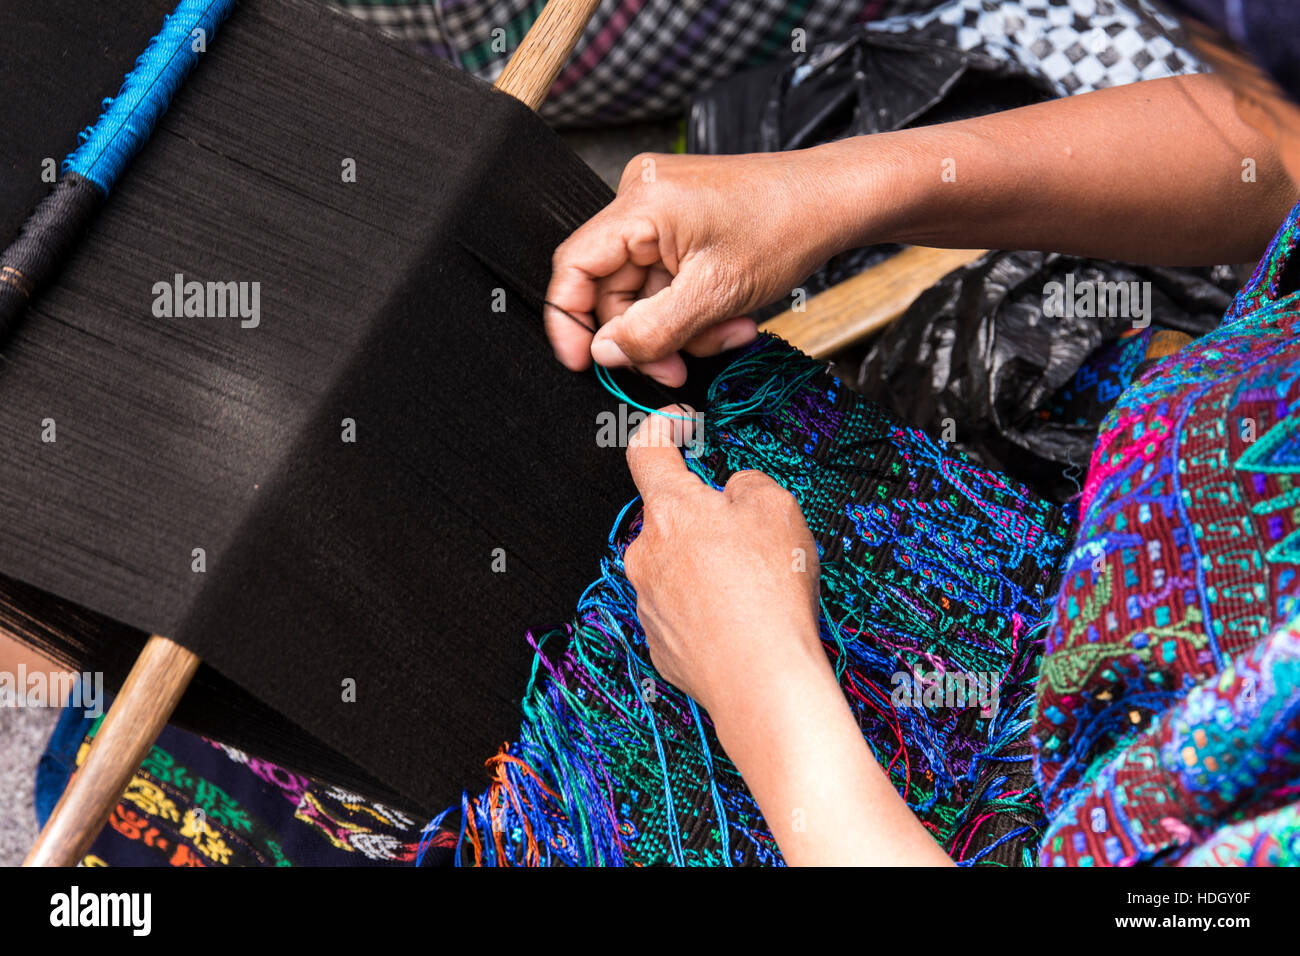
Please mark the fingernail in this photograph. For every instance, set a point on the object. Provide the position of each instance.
(607, 353)
(570, 365)
(737, 338)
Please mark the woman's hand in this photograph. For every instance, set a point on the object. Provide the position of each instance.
(690, 244)
(726, 588)
(726, 581)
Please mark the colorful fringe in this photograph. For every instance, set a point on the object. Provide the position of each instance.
(935, 575)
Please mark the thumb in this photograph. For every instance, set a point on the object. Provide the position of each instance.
(656, 464)
(654, 328)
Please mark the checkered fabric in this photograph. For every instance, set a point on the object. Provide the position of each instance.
(638, 59)
(1074, 45)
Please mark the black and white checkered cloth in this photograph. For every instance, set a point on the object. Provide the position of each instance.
(644, 59)
(637, 59)
(1074, 45)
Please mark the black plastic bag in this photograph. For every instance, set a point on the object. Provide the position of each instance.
(979, 361)
(864, 82)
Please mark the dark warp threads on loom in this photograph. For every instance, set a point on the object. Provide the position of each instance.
(325, 560)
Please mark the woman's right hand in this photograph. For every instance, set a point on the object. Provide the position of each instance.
(689, 245)
(692, 243)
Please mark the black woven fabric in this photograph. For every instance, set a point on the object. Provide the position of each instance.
(406, 303)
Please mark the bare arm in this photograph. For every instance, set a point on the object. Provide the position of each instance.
(826, 799)
(1151, 172)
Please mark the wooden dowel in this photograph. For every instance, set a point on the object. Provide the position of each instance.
(141, 709)
(847, 313)
(164, 668)
(544, 50)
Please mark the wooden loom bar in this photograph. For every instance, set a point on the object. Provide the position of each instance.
(545, 48)
(848, 312)
(139, 712)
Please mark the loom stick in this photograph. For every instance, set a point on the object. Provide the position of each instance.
(846, 313)
(140, 711)
(164, 669)
(544, 50)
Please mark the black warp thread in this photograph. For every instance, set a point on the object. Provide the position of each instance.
(46, 241)
(58, 60)
(326, 561)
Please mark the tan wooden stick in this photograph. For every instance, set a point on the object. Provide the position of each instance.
(139, 712)
(545, 49)
(164, 668)
(846, 313)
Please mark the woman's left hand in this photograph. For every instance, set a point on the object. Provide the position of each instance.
(727, 585)
(726, 581)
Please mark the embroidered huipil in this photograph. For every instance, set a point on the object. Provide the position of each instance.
(1168, 711)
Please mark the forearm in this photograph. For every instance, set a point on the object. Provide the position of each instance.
(1148, 173)
(820, 789)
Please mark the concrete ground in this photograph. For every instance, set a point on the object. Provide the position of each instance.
(608, 150)
(23, 733)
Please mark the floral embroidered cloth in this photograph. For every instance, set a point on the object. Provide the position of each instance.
(195, 802)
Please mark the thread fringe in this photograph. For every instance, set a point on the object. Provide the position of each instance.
(614, 766)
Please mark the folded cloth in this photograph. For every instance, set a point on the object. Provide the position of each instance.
(1169, 700)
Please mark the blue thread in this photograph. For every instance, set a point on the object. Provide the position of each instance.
(428, 833)
(670, 810)
(718, 807)
(128, 119)
(606, 379)
(464, 818)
